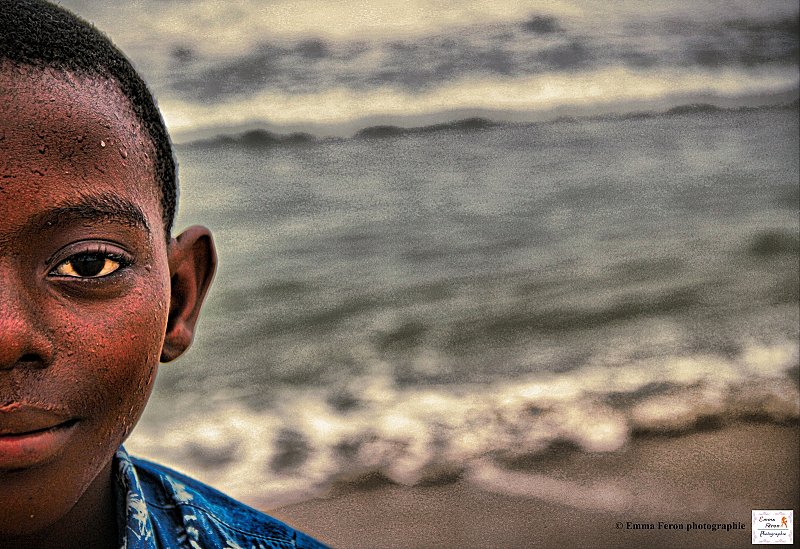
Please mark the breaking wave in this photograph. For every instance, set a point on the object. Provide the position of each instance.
(312, 438)
(263, 138)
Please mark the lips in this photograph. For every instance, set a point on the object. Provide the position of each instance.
(31, 436)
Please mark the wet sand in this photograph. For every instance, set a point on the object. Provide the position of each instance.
(569, 498)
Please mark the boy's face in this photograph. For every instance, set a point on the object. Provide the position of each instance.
(85, 288)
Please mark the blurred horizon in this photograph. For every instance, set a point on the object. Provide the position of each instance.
(333, 68)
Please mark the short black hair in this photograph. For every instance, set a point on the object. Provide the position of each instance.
(37, 33)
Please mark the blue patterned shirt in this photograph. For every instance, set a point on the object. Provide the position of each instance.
(160, 508)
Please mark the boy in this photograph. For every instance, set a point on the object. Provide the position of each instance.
(93, 293)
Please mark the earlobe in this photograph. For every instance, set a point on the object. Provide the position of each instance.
(192, 262)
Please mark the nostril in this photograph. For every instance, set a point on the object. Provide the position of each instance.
(25, 360)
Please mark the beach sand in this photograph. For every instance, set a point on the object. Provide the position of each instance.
(569, 498)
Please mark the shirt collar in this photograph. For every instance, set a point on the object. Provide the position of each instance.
(133, 518)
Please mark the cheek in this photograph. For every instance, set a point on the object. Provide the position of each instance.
(110, 360)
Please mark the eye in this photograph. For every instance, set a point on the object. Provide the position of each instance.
(90, 265)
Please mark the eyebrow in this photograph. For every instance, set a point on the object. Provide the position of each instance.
(104, 207)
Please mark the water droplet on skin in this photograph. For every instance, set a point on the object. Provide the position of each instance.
(123, 153)
(102, 143)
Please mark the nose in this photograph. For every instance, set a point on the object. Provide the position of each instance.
(22, 340)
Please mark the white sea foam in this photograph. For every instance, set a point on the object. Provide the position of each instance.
(334, 68)
(144, 24)
(600, 495)
(342, 110)
(421, 434)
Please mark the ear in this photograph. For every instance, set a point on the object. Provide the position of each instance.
(192, 262)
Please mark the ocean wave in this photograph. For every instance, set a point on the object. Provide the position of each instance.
(416, 435)
(264, 139)
(340, 111)
(307, 64)
(519, 48)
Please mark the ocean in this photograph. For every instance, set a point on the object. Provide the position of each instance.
(409, 302)
(334, 67)
(459, 234)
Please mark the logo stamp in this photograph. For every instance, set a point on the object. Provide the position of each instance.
(773, 527)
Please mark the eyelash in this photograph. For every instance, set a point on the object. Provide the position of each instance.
(103, 253)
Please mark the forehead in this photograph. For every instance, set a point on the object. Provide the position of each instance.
(65, 136)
